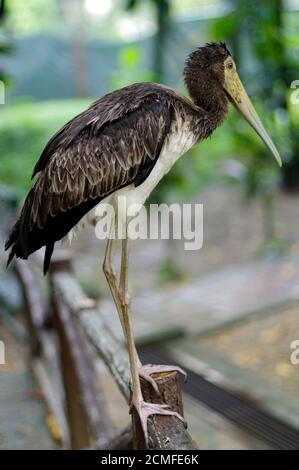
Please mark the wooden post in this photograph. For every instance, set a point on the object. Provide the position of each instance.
(165, 432)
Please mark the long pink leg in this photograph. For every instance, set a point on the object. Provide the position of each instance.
(143, 408)
(110, 274)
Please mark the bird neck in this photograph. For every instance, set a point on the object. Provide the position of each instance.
(208, 95)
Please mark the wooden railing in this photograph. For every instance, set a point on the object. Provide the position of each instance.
(67, 334)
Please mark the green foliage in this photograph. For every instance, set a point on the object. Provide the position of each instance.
(264, 39)
(130, 68)
(31, 16)
(170, 272)
(5, 44)
(25, 128)
(131, 4)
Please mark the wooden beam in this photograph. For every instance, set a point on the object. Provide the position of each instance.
(102, 339)
(85, 405)
(122, 441)
(43, 347)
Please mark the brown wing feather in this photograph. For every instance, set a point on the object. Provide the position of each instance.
(112, 107)
(95, 165)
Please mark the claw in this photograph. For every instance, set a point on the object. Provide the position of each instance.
(145, 410)
(147, 370)
(144, 374)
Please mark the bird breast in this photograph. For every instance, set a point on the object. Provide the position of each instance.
(179, 140)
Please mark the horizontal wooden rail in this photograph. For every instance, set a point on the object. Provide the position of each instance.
(69, 293)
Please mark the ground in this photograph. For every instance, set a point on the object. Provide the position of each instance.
(263, 346)
(23, 415)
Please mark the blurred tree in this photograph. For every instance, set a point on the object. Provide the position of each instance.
(2, 8)
(163, 21)
(163, 31)
(7, 194)
(275, 68)
(228, 28)
(4, 45)
(73, 13)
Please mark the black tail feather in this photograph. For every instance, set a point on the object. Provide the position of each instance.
(47, 258)
(24, 240)
(10, 257)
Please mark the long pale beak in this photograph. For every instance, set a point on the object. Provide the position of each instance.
(239, 98)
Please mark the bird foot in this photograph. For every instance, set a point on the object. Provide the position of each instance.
(145, 410)
(147, 370)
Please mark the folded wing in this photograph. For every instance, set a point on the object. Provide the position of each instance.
(116, 142)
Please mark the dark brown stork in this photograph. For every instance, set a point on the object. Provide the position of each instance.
(123, 145)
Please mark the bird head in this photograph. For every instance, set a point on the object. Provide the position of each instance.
(211, 77)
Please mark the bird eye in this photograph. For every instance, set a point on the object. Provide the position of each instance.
(230, 65)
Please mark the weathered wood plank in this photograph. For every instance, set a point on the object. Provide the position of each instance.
(109, 349)
(43, 347)
(122, 441)
(54, 404)
(87, 413)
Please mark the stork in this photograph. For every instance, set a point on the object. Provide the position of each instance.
(122, 145)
